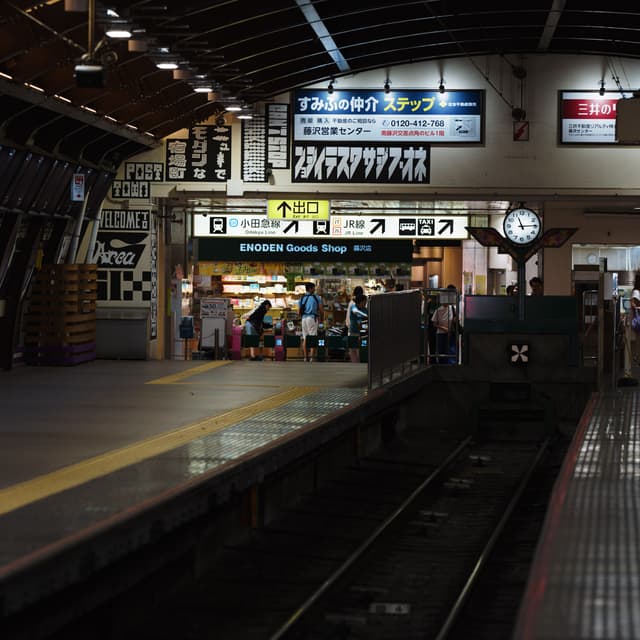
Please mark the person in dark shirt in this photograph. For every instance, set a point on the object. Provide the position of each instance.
(537, 287)
(255, 325)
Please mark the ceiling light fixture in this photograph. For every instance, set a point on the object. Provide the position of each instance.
(234, 107)
(206, 88)
(118, 34)
(167, 65)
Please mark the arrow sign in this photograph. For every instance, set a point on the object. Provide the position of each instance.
(292, 225)
(447, 225)
(379, 224)
(284, 206)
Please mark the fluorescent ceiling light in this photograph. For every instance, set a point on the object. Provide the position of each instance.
(323, 34)
(166, 65)
(234, 107)
(204, 89)
(245, 116)
(121, 34)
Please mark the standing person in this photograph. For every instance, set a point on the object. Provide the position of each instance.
(635, 311)
(311, 312)
(357, 291)
(537, 287)
(443, 319)
(357, 315)
(255, 325)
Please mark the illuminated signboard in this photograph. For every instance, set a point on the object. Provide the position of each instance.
(586, 117)
(363, 115)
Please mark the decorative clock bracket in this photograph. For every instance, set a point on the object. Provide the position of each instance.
(550, 239)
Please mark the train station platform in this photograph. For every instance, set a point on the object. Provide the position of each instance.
(100, 459)
(585, 580)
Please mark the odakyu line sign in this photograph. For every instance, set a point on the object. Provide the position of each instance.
(337, 226)
(363, 115)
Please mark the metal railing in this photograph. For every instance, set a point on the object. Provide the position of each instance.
(394, 336)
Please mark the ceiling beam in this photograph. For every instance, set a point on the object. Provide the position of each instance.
(60, 106)
(550, 26)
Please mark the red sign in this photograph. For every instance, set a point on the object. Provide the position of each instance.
(521, 131)
(77, 187)
(595, 108)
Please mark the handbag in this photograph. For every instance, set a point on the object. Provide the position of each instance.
(635, 321)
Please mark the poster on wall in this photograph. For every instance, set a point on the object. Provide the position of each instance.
(126, 258)
(586, 117)
(135, 183)
(205, 156)
(425, 116)
(399, 163)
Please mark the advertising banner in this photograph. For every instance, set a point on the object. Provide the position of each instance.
(586, 117)
(424, 116)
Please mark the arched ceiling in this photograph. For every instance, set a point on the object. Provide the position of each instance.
(249, 51)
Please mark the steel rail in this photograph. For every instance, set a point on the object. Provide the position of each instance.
(486, 552)
(297, 616)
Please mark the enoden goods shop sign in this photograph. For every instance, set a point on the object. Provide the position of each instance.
(283, 250)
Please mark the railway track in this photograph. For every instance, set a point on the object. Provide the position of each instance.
(384, 551)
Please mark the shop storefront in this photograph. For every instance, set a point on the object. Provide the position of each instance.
(246, 271)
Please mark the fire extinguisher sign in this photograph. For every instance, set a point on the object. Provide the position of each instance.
(77, 187)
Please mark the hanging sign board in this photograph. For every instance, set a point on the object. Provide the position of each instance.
(586, 117)
(298, 209)
(406, 115)
(337, 226)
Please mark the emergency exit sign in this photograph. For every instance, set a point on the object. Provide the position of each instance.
(298, 209)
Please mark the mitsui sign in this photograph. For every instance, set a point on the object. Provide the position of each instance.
(268, 250)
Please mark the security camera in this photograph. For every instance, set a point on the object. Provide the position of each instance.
(220, 122)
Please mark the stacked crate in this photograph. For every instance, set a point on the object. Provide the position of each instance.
(60, 326)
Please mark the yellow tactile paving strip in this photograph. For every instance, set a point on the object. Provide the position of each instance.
(24, 493)
(188, 373)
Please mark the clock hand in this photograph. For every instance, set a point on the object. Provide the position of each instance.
(520, 223)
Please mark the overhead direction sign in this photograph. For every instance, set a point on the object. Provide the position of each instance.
(362, 227)
(434, 227)
(298, 209)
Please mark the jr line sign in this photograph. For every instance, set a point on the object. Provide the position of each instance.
(356, 227)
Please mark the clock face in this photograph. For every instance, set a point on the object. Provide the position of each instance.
(521, 226)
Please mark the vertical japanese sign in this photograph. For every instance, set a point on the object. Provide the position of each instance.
(586, 117)
(254, 150)
(278, 136)
(153, 272)
(205, 156)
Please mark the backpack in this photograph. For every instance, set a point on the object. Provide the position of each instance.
(302, 307)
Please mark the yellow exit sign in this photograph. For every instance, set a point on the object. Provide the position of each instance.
(298, 209)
